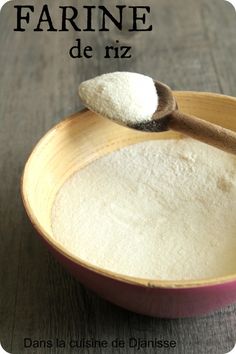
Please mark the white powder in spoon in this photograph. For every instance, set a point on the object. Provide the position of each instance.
(157, 210)
(121, 96)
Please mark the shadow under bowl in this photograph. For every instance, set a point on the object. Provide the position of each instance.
(85, 137)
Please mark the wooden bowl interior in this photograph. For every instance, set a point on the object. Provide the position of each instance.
(85, 137)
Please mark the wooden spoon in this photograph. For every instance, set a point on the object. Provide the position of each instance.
(168, 117)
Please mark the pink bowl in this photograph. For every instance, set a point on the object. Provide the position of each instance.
(84, 137)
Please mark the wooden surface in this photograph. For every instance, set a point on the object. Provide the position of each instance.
(192, 47)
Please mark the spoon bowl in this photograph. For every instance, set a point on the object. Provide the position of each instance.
(160, 119)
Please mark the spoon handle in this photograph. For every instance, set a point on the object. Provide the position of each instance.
(204, 131)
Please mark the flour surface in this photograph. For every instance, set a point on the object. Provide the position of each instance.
(158, 210)
(121, 96)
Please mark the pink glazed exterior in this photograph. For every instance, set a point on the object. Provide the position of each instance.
(153, 301)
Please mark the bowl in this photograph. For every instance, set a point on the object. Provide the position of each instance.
(85, 137)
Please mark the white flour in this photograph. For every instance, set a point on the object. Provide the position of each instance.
(121, 96)
(158, 210)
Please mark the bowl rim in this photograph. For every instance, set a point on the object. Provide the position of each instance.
(143, 282)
